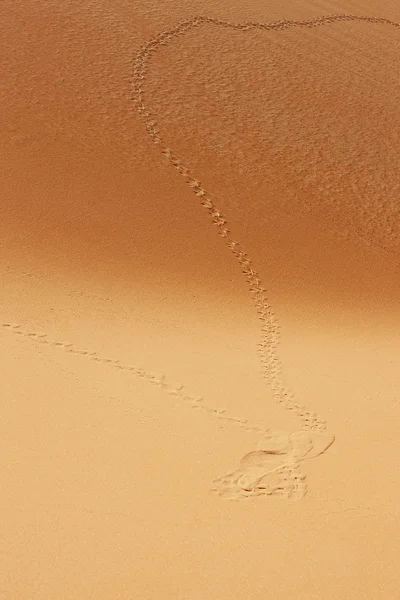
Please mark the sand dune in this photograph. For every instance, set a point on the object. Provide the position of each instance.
(200, 300)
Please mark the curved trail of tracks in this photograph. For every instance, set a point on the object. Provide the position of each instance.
(271, 366)
(274, 470)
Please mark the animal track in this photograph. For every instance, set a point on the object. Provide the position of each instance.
(39, 277)
(157, 379)
(274, 470)
(274, 473)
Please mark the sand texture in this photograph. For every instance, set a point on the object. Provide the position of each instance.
(200, 300)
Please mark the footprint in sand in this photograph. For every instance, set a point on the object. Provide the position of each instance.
(275, 470)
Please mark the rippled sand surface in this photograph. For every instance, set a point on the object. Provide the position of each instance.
(199, 300)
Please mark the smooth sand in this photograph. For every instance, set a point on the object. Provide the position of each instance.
(113, 275)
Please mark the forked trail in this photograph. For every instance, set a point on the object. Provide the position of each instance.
(275, 470)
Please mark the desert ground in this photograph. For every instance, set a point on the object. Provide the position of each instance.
(200, 300)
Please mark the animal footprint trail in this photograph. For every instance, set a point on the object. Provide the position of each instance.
(273, 472)
(156, 379)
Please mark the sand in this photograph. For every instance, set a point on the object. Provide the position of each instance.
(200, 324)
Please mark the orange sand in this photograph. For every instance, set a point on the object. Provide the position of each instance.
(200, 250)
